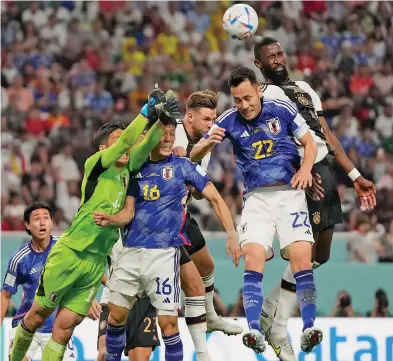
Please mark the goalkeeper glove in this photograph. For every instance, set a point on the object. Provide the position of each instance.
(155, 103)
(171, 109)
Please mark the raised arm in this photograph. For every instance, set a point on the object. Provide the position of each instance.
(206, 145)
(224, 215)
(365, 189)
(119, 219)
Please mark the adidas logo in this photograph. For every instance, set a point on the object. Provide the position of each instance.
(245, 134)
(166, 300)
(308, 232)
(139, 175)
(33, 271)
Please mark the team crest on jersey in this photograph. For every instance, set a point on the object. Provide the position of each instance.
(274, 126)
(303, 100)
(167, 173)
(316, 217)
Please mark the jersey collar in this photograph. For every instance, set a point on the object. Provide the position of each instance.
(46, 250)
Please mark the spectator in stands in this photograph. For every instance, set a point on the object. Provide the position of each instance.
(381, 306)
(344, 307)
(238, 309)
(387, 244)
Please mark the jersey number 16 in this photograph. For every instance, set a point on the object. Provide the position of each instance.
(151, 193)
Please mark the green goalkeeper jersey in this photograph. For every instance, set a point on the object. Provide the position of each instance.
(104, 188)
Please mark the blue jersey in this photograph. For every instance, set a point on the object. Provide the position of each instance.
(264, 148)
(159, 189)
(24, 269)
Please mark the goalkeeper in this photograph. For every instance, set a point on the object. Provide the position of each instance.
(76, 264)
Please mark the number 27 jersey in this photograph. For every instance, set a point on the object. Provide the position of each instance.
(264, 148)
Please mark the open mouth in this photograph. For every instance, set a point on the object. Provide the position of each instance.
(167, 148)
(42, 231)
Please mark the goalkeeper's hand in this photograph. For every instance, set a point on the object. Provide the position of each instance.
(155, 103)
(171, 109)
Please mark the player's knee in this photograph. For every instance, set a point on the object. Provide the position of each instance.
(117, 315)
(140, 354)
(254, 256)
(300, 254)
(168, 325)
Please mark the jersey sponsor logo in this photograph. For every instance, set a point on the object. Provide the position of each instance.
(138, 176)
(10, 279)
(245, 134)
(167, 173)
(33, 271)
(54, 296)
(274, 125)
(167, 300)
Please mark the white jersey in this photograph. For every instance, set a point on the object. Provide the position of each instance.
(306, 100)
(183, 140)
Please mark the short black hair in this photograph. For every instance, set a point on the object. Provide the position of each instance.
(267, 40)
(31, 208)
(240, 75)
(103, 133)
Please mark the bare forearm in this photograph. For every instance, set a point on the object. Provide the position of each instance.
(223, 214)
(200, 149)
(5, 302)
(310, 153)
(120, 219)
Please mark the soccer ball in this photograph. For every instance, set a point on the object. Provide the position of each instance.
(240, 21)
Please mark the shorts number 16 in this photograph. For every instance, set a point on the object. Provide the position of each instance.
(164, 287)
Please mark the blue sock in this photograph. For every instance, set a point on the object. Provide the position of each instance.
(173, 347)
(115, 342)
(306, 297)
(253, 298)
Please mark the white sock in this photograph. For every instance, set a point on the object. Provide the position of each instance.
(208, 281)
(286, 305)
(195, 315)
(270, 302)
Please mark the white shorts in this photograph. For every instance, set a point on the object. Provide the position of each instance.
(155, 271)
(39, 341)
(271, 211)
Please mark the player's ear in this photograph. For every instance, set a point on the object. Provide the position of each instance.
(190, 116)
(101, 147)
(259, 90)
(258, 64)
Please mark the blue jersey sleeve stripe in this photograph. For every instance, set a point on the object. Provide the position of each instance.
(17, 258)
(225, 114)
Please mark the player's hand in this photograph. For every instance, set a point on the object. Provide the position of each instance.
(101, 218)
(366, 191)
(95, 310)
(179, 151)
(302, 179)
(171, 109)
(216, 136)
(155, 103)
(316, 191)
(233, 248)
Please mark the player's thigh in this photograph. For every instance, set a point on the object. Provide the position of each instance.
(83, 291)
(293, 223)
(194, 234)
(141, 329)
(191, 281)
(161, 278)
(125, 277)
(326, 212)
(140, 353)
(60, 273)
(257, 226)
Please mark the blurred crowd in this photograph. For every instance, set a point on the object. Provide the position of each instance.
(67, 67)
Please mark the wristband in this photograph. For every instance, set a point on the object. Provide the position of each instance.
(354, 174)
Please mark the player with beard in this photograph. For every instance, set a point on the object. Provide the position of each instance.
(324, 213)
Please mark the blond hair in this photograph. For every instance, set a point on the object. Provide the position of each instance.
(202, 99)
